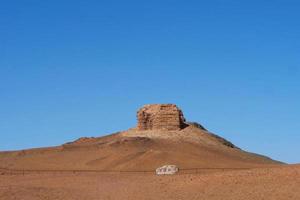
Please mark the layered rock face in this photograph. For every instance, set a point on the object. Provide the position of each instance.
(160, 117)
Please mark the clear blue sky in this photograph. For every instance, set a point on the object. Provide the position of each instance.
(82, 68)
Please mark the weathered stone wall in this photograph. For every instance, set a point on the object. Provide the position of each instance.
(160, 117)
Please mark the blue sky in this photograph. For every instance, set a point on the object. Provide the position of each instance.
(82, 68)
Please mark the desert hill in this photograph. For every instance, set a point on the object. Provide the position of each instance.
(162, 136)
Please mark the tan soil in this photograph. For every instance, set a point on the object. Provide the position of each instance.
(280, 183)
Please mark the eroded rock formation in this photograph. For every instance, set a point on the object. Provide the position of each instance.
(160, 117)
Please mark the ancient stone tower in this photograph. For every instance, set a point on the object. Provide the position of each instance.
(160, 117)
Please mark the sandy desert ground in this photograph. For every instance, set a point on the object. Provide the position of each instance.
(264, 183)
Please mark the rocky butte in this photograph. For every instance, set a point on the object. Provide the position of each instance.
(160, 117)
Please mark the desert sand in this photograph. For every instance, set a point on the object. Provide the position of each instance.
(264, 183)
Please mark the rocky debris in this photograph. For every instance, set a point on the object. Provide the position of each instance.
(160, 117)
(83, 140)
(223, 141)
(167, 170)
(3, 171)
(197, 125)
(144, 141)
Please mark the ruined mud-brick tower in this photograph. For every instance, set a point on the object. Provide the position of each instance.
(160, 117)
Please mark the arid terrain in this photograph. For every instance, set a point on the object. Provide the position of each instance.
(267, 183)
(122, 166)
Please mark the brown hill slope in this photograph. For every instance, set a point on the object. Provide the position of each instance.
(137, 150)
(188, 146)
